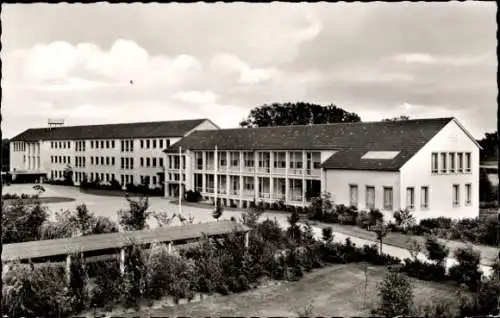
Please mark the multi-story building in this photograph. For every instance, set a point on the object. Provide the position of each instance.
(127, 153)
(429, 166)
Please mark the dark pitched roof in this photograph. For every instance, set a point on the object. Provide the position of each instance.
(352, 140)
(47, 248)
(176, 128)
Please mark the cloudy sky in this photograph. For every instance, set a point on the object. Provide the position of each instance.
(77, 62)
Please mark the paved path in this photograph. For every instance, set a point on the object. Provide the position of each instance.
(108, 206)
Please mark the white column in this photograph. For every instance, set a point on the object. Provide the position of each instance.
(247, 240)
(271, 188)
(304, 166)
(170, 247)
(68, 268)
(271, 162)
(242, 165)
(228, 185)
(216, 178)
(287, 181)
(122, 261)
(203, 183)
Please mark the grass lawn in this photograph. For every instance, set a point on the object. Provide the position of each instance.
(43, 200)
(332, 291)
(488, 253)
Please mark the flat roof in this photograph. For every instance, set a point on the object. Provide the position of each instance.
(89, 243)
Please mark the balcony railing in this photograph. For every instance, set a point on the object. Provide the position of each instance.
(263, 170)
(248, 193)
(234, 191)
(278, 196)
(313, 172)
(209, 167)
(234, 169)
(222, 169)
(296, 197)
(210, 190)
(281, 171)
(199, 189)
(248, 169)
(264, 195)
(296, 172)
(221, 190)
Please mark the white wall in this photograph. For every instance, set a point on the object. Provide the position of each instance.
(417, 172)
(337, 183)
(16, 158)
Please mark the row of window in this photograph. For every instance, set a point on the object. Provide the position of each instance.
(80, 145)
(60, 159)
(296, 161)
(80, 162)
(60, 144)
(149, 180)
(451, 162)
(103, 161)
(388, 196)
(151, 143)
(151, 162)
(19, 146)
(126, 163)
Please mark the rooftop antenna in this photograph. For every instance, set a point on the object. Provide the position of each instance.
(55, 123)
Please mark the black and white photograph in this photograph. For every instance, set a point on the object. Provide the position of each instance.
(243, 159)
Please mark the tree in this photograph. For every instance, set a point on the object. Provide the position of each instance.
(21, 222)
(299, 113)
(134, 219)
(404, 218)
(486, 193)
(467, 270)
(396, 295)
(293, 230)
(489, 143)
(414, 248)
(399, 118)
(381, 231)
(436, 251)
(38, 188)
(68, 175)
(217, 213)
(327, 233)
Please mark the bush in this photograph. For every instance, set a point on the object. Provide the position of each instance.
(108, 283)
(424, 271)
(346, 215)
(467, 270)
(22, 222)
(436, 251)
(434, 223)
(115, 185)
(396, 295)
(363, 220)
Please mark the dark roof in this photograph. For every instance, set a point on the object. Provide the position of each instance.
(177, 128)
(352, 140)
(47, 248)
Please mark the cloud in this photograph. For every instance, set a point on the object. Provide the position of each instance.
(197, 97)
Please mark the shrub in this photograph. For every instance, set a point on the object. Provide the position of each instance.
(375, 216)
(217, 213)
(327, 234)
(434, 223)
(363, 220)
(404, 218)
(108, 283)
(396, 295)
(467, 270)
(270, 231)
(422, 270)
(22, 222)
(436, 251)
(346, 215)
(135, 217)
(115, 185)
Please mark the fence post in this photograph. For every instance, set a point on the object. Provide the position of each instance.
(122, 261)
(68, 268)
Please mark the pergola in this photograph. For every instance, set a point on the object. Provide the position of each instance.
(113, 243)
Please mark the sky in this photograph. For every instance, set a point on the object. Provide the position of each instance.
(110, 63)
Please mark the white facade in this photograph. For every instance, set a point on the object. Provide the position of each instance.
(143, 158)
(416, 176)
(450, 193)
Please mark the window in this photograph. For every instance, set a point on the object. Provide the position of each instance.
(410, 198)
(148, 162)
(154, 162)
(107, 161)
(249, 159)
(168, 142)
(424, 200)
(122, 163)
(280, 160)
(460, 159)
(370, 197)
(452, 162)
(107, 144)
(296, 160)
(91, 160)
(102, 161)
(456, 195)
(113, 161)
(353, 195)
(161, 143)
(154, 143)
(107, 177)
(443, 162)
(388, 198)
(467, 162)
(112, 144)
(142, 146)
(97, 144)
(122, 146)
(141, 160)
(147, 143)
(154, 180)
(468, 194)
(161, 162)
(102, 145)
(92, 144)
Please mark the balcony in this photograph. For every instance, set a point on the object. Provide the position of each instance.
(248, 169)
(198, 189)
(296, 172)
(313, 172)
(221, 190)
(210, 190)
(278, 196)
(234, 192)
(209, 167)
(234, 169)
(264, 195)
(249, 193)
(222, 169)
(296, 197)
(280, 171)
(264, 170)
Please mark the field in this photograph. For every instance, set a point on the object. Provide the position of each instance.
(332, 291)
